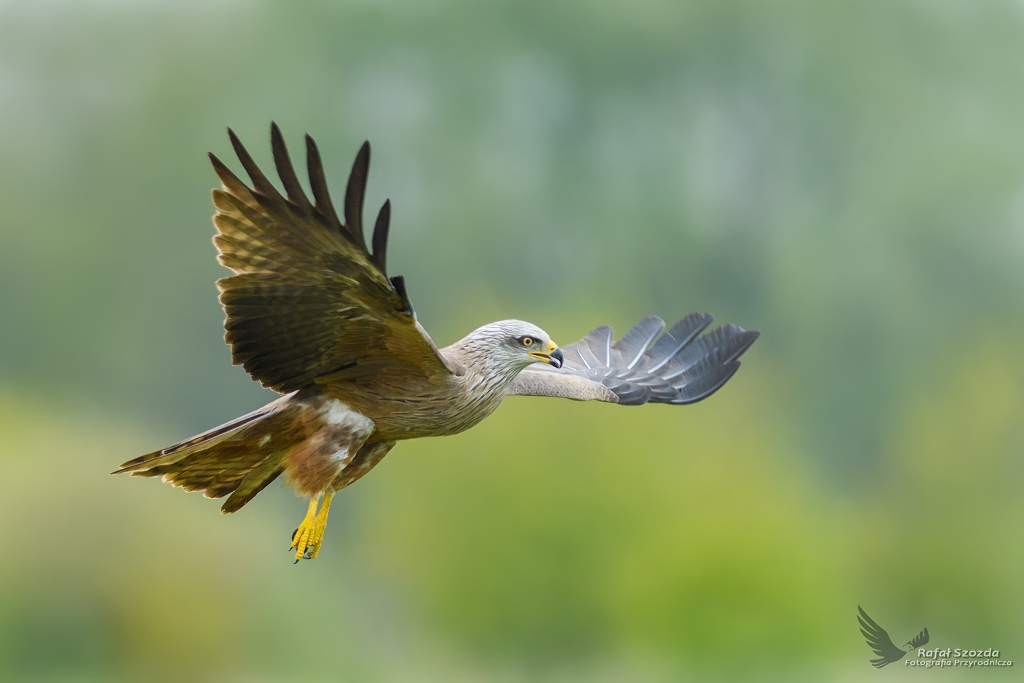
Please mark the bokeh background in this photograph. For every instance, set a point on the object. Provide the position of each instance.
(846, 177)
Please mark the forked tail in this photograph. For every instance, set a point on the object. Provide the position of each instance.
(239, 458)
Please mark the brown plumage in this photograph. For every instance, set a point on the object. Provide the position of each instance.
(313, 314)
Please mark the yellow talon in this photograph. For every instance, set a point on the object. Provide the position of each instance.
(307, 538)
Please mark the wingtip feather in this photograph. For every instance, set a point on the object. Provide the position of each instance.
(318, 184)
(285, 169)
(380, 236)
(355, 194)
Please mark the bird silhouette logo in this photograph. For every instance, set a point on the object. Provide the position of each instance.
(881, 643)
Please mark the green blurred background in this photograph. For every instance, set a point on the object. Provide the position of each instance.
(846, 177)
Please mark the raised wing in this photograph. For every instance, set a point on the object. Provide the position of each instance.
(309, 303)
(681, 366)
(878, 640)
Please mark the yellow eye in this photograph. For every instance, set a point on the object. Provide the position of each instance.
(527, 341)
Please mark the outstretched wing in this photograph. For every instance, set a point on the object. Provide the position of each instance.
(680, 366)
(878, 640)
(309, 303)
(920, 640)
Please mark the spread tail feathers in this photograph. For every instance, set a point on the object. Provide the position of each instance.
(239, 458)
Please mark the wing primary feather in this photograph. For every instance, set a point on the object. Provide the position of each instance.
(696, 322)
(585, 351)
(355, 192)
(705, 384)
(399, 283)
(599, 341)
(286, 171)
(380, 236)
(744, 339)
(259, 181)
(576, 347)
(639, 338)
(232, 182)
(318, 184)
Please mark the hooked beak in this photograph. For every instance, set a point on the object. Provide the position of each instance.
(553, 357)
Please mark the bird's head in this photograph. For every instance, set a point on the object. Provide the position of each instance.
(512, 344)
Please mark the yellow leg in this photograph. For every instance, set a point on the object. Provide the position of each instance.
(307, 538)
(319, 527)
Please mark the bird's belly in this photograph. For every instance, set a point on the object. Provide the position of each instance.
(415, 417)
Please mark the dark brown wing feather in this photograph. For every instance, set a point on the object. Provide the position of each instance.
(308, 300)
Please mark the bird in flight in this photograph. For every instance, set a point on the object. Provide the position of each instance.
(313, 315)
(881, 643)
